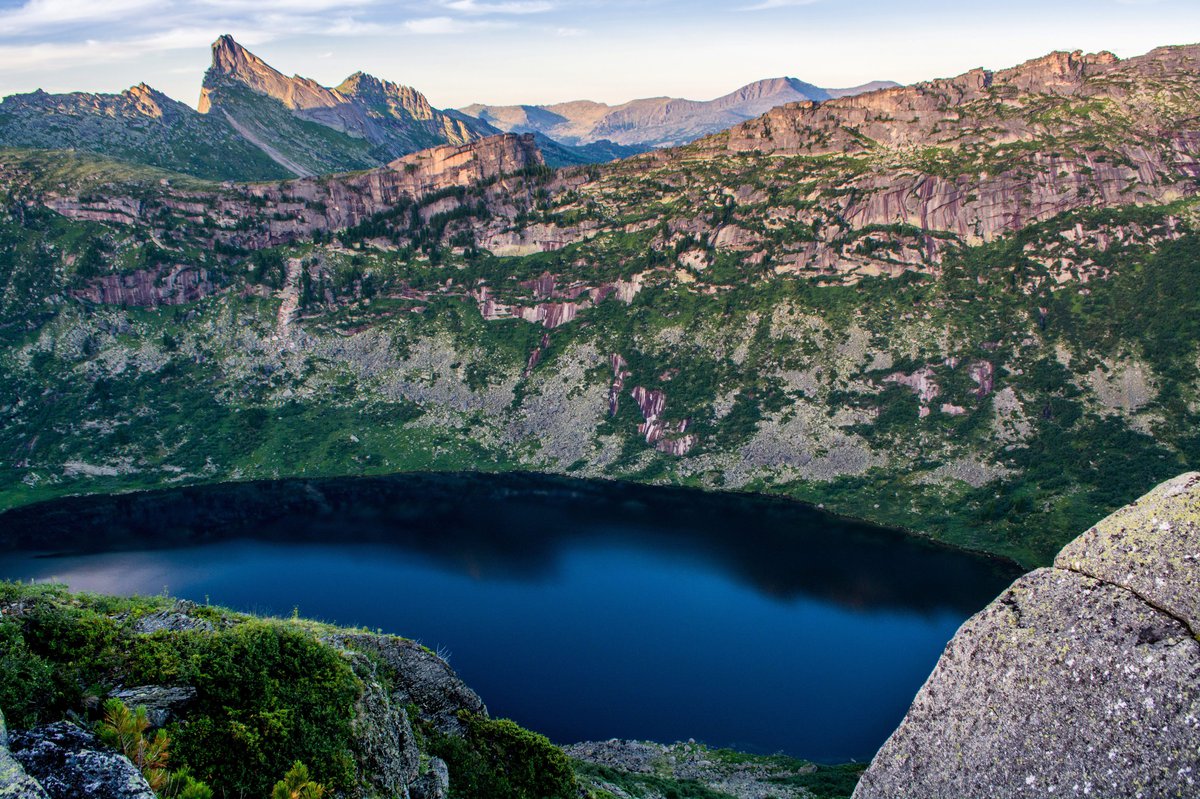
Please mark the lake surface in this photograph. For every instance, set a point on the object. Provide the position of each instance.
(582, 610)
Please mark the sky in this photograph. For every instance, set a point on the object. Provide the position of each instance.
(538, 51)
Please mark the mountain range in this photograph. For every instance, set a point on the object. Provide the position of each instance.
(253, 122)
(656, 121)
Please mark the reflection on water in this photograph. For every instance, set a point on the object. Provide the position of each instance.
(583, 610)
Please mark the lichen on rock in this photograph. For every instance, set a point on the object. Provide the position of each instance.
(1079, 680)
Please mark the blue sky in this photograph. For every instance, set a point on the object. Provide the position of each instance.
(508, 51)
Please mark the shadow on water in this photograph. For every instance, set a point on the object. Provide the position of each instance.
(517, 527)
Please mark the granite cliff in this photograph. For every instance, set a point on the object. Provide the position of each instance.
(1080, 680)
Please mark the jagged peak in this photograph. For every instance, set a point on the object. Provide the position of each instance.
(1056, 68)
(230, 57)
(144, 89)
(364, 82)
(232, 61)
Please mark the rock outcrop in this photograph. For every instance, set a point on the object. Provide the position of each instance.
(69, 763)
(163, 703)
(419, 677)
(1080, 680)
(14, 782)
(148, 288)
(285, 212)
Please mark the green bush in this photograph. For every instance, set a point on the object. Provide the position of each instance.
(267, 696)
(26, 679)
(497, 759)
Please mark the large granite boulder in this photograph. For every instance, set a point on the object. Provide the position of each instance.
(1151, 548)
(1080, 680)
(69, 763)
(14, 782)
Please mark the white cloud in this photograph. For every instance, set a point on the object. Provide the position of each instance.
(39, 15)
(50, 18)
(286, 6)
(448, 25)
(513, 7)
(769, 4)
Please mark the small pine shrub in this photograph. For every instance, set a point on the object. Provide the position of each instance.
(126, 729)
(297, 785)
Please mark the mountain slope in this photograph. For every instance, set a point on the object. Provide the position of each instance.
(973, 315)
(139, 124)
(654, 122)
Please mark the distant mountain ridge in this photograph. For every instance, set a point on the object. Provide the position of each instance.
(255, 123)
(656, 121)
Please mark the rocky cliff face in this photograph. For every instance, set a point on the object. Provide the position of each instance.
(1080, 680)
(268, 214)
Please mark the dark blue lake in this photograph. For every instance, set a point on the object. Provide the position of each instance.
(582, 610)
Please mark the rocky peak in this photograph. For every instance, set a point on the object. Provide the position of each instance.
(774, 87)
(385, 97)
(231, 58)
(148, 100)
(232, 62)
(137, 101)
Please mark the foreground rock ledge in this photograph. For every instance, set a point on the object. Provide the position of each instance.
(1080, 680)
